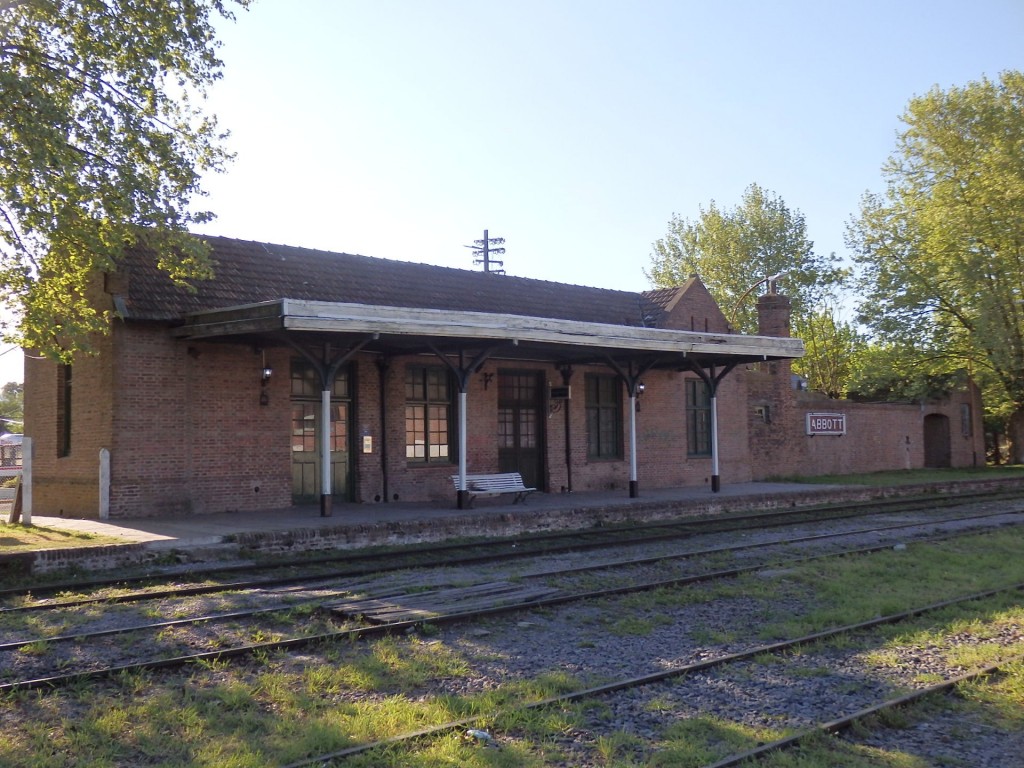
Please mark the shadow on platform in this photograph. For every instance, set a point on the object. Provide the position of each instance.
(486, 517)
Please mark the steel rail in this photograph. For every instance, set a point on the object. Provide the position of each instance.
(517, 552)
(242, 614)
(844, 723)
(698, 524)
(764, 545)
(410, 624)
(14, 645)
(656, 677)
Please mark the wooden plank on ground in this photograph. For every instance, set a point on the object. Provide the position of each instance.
(428, 604)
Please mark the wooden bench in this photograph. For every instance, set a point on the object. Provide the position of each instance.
(495, 485)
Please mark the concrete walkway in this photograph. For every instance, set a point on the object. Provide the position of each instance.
(205, 530)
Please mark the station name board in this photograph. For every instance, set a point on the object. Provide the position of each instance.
(826, 423)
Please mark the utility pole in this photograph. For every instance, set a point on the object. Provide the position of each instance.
(482, 252)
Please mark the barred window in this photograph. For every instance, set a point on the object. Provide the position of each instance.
(306, 382)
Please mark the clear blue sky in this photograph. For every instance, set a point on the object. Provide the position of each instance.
(572, 128)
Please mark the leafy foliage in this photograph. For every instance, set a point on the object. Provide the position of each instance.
(832, 350)
(735, 251)
(12, 400)
(942, 250)
(890, 372)
(101, 145)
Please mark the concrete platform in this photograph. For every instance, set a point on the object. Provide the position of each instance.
(240, 535)
(203, 530)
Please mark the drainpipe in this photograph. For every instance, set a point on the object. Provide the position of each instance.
(27, 455)
(633, 484)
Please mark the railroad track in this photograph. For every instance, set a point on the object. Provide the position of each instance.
(442, 609)
(708, 665)
(360, 563)
(272, 585)
(847, 722)
(369, 609)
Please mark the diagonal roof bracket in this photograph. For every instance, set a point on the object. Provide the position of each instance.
(327, 367)
(709, 376)
(632, 379)
(462, 372)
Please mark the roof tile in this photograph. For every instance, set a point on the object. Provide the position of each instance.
(247, 272)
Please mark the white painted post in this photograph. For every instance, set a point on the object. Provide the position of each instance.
(462, 448)
(27, 451)
(716, 482)
(104, 483)
(325, 453)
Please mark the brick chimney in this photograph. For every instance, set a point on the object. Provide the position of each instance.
(773, 311)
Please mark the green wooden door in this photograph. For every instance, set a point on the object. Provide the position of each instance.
(520, 425)
(306, 407)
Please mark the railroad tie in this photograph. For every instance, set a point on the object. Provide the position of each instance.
(411, 606)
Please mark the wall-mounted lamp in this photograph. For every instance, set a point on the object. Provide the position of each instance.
(639, 390)
(267, 373)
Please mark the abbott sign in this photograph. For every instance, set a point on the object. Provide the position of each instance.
(826, 423)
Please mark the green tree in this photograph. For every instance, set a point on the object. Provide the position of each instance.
(12, 399)
(733, 249)
(101, 145)
(941, 252)
(884, 372)
(832, 349)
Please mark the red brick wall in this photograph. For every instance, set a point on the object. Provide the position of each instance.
(187, 433)
(879, 436)
(695, 310)
(661, 435)
(68, 485)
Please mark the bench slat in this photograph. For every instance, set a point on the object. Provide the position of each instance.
(494, 484)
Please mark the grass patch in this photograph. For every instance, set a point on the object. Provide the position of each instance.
(848, 590)
(15, 537)
(698, 741)
(636, 626)
(999, 701)
(281, 707)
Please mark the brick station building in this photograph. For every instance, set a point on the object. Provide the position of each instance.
(215, 400)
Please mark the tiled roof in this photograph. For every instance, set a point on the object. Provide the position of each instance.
(248, 272)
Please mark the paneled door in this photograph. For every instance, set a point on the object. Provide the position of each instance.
(306, 405)
(521, 425)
